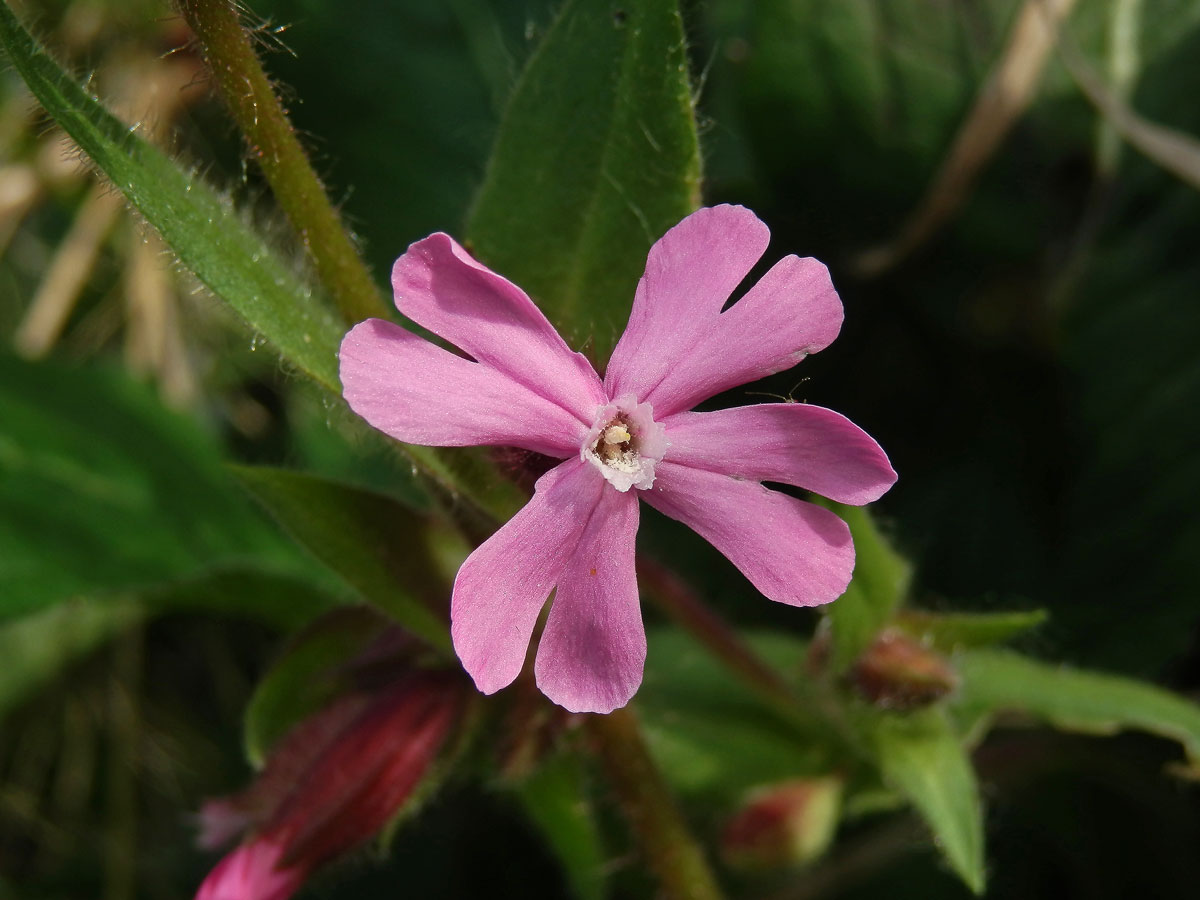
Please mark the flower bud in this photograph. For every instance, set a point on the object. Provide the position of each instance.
(330, 785)
(784, 824)
(899, 672)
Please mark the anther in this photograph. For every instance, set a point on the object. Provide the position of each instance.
(617, 434)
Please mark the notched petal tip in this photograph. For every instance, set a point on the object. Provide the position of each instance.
(501, 588)
(593, 648)
(419, 393)
(690, 273)
(490, 637)
(682, 346)
(441, 287)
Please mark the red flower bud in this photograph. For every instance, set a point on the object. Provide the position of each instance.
(334, 781)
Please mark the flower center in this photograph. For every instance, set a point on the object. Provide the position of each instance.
(624, 443)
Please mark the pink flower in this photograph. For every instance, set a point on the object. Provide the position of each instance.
(627, 436)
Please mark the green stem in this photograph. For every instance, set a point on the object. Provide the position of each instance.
(457, 481)
(272, 140)
(667, 845)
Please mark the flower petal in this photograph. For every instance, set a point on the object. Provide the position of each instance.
(792, 551)
(591, 654)
(421, 394)
(253, 872)
(791, 312)
(794, 443)
(439, 286)
(503, 585)
(690, 272)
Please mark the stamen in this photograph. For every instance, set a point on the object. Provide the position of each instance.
(617, 434)
(624, 444)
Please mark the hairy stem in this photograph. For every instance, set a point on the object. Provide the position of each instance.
(264, 122)
(667, 845)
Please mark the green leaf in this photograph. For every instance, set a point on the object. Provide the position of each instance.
(379, 546)
(996, 681)
(1148, 551)
(310, 672)
(880, 584)
(949, 632)
(833, 87)
(922, 757)
(203, 230)
(450, 67)
(213, 242)
(596, 157)
(37, 647)
(284, 600)
(714, 737)
(555, 798)
(103, 489)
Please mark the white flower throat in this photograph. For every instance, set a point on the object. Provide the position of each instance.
(624, 443)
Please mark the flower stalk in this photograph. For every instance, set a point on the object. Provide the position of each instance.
(272, 141)
(667, 845)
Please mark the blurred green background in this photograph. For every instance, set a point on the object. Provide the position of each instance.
(1033, 370)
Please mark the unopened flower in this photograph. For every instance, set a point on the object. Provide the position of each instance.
(628, 436)
(784, 824)
(334, 781)
(898, 671)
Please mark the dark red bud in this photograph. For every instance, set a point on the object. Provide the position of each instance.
(331, 784)
(360, 782)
